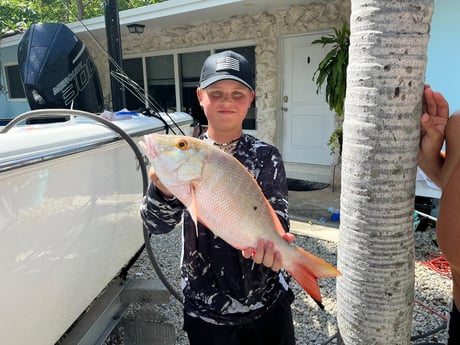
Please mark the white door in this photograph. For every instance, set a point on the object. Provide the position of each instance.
(306, 119)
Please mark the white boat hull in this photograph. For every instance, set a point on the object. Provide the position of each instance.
(67, 225)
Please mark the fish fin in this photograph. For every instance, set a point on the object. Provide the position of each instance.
(194, 209)
(190, 201)
(278, 226)
(307, 268)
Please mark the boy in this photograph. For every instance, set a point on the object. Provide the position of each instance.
(230, 297)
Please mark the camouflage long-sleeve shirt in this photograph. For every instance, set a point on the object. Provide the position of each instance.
(221, 286)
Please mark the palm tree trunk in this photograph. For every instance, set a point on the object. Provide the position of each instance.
(386, 74)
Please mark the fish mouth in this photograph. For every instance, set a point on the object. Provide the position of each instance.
(149, 147)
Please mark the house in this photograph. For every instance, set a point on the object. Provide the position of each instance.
(274, 35)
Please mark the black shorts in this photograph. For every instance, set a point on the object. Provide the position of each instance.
(274, 328)
(453, 327)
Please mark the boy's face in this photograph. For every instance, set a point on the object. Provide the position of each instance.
(225, 104)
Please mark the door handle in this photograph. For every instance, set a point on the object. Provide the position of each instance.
(284, 109)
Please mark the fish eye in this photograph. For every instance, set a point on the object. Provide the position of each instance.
(182, 144)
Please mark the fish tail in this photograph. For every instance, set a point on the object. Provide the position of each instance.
(307, 268)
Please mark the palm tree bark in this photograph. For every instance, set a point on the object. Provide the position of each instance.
(386, 73)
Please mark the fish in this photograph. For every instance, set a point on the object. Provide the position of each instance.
(221, 193)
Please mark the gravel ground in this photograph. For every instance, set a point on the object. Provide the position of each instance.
(312, 325)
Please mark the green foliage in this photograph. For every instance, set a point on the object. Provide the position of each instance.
(18, 15)
(332, 70)
(15, 15)
(128, 4)
(335, 141)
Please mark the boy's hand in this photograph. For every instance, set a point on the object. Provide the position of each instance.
(158, 184)
(266, 254)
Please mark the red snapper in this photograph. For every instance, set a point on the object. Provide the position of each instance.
(219, 192)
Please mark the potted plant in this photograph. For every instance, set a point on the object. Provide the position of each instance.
(332, 71)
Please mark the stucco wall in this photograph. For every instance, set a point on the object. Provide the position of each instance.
(264, 29)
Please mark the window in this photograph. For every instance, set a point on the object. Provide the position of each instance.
(14, 82)
(177, 91)
(133, 68)
(161, 81)
(190, 67)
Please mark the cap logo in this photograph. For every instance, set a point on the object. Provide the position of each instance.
(227, 62)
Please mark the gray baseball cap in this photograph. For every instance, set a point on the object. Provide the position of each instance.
(226, 65)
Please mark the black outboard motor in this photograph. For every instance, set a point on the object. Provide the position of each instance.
(57, 70)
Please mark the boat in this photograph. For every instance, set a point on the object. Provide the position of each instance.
(69, 220)
(71, 188)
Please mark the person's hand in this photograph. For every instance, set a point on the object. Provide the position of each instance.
(158, 184)
(266, 254)
(434, 119)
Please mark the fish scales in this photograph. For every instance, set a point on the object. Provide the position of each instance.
(228, 201)
(219, 192)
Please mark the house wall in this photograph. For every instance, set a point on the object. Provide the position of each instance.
(264, 29)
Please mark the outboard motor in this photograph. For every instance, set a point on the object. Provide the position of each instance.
(57, 70)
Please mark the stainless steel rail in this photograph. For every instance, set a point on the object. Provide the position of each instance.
(74, 148)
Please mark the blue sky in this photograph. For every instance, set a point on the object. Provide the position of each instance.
(443, 68)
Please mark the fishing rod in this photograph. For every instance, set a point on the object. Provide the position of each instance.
(139, 93)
